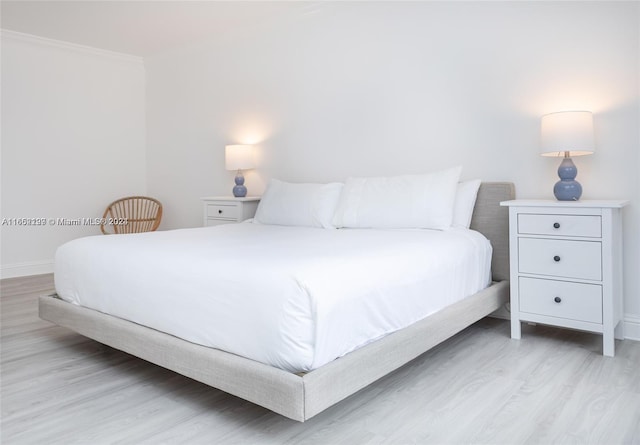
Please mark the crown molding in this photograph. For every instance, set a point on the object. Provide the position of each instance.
(60, 44)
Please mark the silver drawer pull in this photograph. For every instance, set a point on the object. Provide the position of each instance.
(556, 225)
(557, 299)
(556, 258)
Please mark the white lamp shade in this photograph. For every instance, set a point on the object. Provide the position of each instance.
(238, 157)
(567, 131)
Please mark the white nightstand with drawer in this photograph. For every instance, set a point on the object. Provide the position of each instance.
(227, 209)
(566, 266)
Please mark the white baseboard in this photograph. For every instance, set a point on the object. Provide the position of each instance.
(632, 327)
(631, 322)
(26, 269)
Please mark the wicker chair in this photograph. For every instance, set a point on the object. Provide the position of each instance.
(133, 214)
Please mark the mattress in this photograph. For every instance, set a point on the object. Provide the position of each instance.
(291, 297)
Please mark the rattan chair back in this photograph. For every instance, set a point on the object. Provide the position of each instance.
(133, 214)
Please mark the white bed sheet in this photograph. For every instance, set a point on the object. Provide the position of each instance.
(291, 297)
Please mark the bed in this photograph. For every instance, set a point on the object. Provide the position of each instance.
(301, 382)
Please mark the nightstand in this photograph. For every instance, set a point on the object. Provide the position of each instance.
(566, 266)
(227, 209)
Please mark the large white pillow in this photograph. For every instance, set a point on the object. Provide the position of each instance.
(408, 201)
(291, 204)
(466, 195)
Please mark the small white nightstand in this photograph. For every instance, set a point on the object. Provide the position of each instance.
(566, 266)
(228, 209)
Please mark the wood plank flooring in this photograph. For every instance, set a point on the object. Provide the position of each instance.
(553, 386)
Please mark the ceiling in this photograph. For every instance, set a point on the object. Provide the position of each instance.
(138, 27)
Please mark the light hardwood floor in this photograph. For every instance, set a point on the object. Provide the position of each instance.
(553, 386)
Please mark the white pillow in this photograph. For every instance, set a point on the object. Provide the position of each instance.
(289, 204)
(396, 202)
(465, 202)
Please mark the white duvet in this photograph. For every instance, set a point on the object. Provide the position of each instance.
(291, 297)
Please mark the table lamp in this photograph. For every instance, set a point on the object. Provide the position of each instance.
(239, 157)
(567, 133)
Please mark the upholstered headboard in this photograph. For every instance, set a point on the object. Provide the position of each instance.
(493, 222)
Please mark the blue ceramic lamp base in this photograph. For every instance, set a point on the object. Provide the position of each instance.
(239, 191)
(567, 188)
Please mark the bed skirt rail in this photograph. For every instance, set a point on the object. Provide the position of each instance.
(337, 380)
(273, 388)
(296, 397)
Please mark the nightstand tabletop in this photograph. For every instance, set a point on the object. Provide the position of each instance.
(230, 198)
(583, 203)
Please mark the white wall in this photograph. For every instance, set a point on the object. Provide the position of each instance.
(367, 88)
(73, 140)
(345, 88)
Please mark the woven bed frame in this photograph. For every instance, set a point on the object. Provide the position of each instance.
(301, 397)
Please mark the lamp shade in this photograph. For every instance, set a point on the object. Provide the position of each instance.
(238, 157)
(567, 131)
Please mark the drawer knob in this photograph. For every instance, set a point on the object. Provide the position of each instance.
(220, 212)
(556, 258)
(557, 299)
(556, 225)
